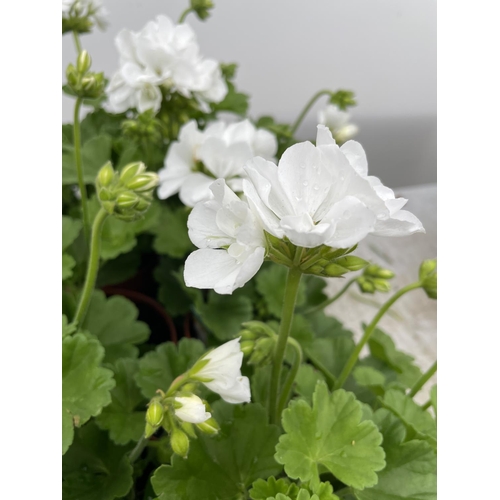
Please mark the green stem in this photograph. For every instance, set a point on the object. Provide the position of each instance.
(184, 15)
(307, 107)
(353, 358)
(423, 379)
(92, 267)
(79, 168)
(287, 386)
(76, 39)
(292, 286)
(329, 301)
(426, 405)
(177, 384)
(330, 378)
(139, 447)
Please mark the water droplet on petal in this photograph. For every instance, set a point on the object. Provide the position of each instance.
(305, 183)
(316, 187)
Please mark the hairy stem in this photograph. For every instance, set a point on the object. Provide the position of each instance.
(184, 15)
(291, 289)
(423, 379)
(92, 267)
(287, 386)
(331, 300)
(139, 447)
(307, 107)
(353, 358)
(79, 169)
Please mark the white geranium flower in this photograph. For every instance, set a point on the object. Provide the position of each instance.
(321, 195)
(80, 8)
(162, 54)
(192, 409)
(222, 373)
(220, 151)
(230, 241)
(338, 122)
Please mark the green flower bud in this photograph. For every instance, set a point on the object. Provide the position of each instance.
(375, 271)
(381, 285)
(263, 351)
(188, 428)
(106, 174)
(247, 335)
(427, 268)
(179, 442)
(127, 200)
(210, 427)
(131, 170)
(83, 62)
(316, 269)
(189, 388)
(154, 415)
(366, 286)
(334, 270)
(72, 76)
(150, 430)
(351, 262)
(144, 182)
(247, 347)
(430, 286)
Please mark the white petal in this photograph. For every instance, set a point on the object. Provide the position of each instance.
(192, 410)
(239, 392)
(324, 136)
(402, 223)
(196, 188)
(356, 156)
(203, 229)
(265, 144)
(301, 230)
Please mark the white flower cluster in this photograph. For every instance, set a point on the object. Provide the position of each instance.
(338, 122)
(219, 151)
(92, 8)
(162, 54)
(316, 195)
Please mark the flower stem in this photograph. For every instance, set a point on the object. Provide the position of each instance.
(426, 405)
(423, 379)
(177, 384)
(331, 300)
(79, 168)
(76, 39)
(307, 107)
(139, 447)
(92, 267)
(184, 15)
(353, 358)
(287, 386)
(330, 377)
(291, 289)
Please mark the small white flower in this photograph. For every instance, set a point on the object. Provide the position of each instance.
(230, 241)
(220, 151)
(338, 122)
(222, 373)
(162, 55)
(192, 409)
(322, 195)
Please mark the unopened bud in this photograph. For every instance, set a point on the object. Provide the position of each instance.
(427, 268)
(105, 175)
(72, 75)
(262, 351)
(150, 430)
(143, 182)
(83, 62)
(381, 285)
(247, 347)
(179, 442)
(210, 426)
(127, 200)
(188, 428)
(351, 262)
(430, 286)
(247, 335)
(131, 170)
(154, 415)
(366, 286)
(334, 270)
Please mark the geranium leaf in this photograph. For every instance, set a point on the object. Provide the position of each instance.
(86, 385)
(366, 376)
(114, 322)
(331, 434)
(410, 472)
(158, 368)
(327, 327)
(125, 417)
(94, 468)
(68, 263)
(332, 352)
(419, 423)
(223, 467)
(224, 314)
(262, 490)
(70, 230)
(95, 153)
(270, 283)
(172, 233)
(306, 380)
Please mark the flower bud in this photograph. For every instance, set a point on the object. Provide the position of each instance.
(106, 174)
(127, 200)
(263, 351)
(428, 277)
(83, 62)
(427, 268)
(188, 428)
(210, 427)
(365, 285)
(247, 335)
(334, 270)
(351, 262)
(150, 430)
(375, 271)
(154, 415)
(247, 346)
(179, 442)
(131, 170)
(143, 182)
(381, 285)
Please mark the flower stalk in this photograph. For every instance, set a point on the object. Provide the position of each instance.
(291, 289)
(423, 379)
(79, 168)
(287, 385)
(92, 267)
(331, 300)
(353, 358)
(307, 107)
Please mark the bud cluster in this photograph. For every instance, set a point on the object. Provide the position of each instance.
(81, 16)
(126, 195)
(343, 99)
(82, 82)
(145, 127)
(375, 279)
(258, 341)
(428, 277)
(202, 8)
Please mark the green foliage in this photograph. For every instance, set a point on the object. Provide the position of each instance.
(235, 102)
(158, 368)
(419, 423)
(306, 380)
(71, 228)
(367, 376)
(282, 489)
(434, 402)
(171, 232)
(330, 434)
(410, 472)
(223, 467)
(95, 153)
(224, 314)
(86, 385)
(114, 322)
(124, 418)
(94, 468)
(262, 490)
(332, 352)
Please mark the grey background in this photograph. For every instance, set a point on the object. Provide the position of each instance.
(384, 50)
